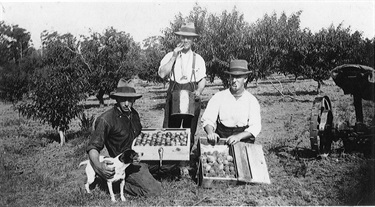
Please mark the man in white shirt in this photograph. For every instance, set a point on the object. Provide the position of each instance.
(233, 113)
(186, 70)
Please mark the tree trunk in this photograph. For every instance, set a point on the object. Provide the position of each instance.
(62, 137)
(318, 89)
(100, 98)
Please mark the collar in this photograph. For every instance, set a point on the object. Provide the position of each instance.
(119, 113)
(187, 53)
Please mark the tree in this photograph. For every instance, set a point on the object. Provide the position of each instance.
(263, 46)
(292, 45)
(222, 40)
(17, 62)
(109, 57)
(59, 86)
(150, 59)
(327, 49)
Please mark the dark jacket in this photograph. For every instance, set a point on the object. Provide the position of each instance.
(115, 130)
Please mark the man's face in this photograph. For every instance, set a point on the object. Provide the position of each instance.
(187, 42)
(126, 103)
(237, 82)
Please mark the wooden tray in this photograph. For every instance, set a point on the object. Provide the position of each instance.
(250, 164)
(169, 153)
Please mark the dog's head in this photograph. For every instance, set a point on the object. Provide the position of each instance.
(130, 156)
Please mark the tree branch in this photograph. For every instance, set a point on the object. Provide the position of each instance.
(282, 94)
(80, 54)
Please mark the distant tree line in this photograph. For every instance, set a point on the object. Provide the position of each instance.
(50, 82)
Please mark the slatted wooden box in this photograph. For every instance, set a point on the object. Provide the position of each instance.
(249, 162)
(156, 145)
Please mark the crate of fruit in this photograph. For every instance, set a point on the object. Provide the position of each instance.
(241, 163)
(163, 144)
(216, 164)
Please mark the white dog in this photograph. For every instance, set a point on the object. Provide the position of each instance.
(120, 163)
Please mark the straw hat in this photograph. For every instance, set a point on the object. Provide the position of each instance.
(123, 90)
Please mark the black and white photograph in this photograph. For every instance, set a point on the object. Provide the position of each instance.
(187, 103)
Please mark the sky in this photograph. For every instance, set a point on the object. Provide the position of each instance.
(145, 18)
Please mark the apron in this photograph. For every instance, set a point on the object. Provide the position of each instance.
(176, 121)
(225, 132)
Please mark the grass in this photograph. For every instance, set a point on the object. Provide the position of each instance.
(36, 171)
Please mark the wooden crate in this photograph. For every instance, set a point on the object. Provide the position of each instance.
(205, 181)
(249, 163)
(169, 153)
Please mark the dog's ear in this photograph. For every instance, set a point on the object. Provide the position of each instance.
(127, 156)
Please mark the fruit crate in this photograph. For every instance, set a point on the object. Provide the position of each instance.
(169, 144)
(248, 162)
(206, 178)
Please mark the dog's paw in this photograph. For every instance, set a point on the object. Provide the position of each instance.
(123, 198)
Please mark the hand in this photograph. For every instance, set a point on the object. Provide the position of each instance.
(233, 140)
(178, 49)
(105, 170)
(197, 95)
(213, 138)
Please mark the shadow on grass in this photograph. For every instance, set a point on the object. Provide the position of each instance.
(159, 97)
(290, 152)
(70, 136)
(159, 92)
(297, 93)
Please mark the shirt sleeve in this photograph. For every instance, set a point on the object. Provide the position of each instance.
(255, 125)
(165, 59)
(211, 112)
(200, 68)
(98, 135)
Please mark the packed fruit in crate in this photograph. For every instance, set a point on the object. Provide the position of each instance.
(162, 138)
(218, 164)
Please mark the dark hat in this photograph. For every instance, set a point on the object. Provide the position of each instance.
(238, 67)
(123, 90)
(187, 30)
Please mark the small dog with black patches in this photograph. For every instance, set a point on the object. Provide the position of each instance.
(120, 163)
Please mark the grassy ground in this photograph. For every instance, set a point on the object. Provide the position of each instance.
(36, 171)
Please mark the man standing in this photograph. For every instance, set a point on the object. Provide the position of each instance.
(233, 113)
(116, 129)
(186, 71)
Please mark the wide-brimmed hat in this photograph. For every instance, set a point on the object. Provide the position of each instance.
(187, 29)
(238, 67)
(124, 91)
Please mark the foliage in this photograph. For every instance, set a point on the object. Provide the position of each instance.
(17, 62)
(292, 45)
(327, 49)
(59, 86)
(13, 84)
(150, 59)
(225, 41)
(109, 57)
(86, 122)
(14, 43)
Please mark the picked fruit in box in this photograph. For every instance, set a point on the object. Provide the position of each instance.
(242, 162)
(218, 164)
(163, 144)
(162, 138)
